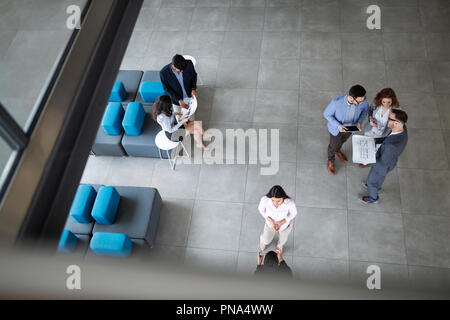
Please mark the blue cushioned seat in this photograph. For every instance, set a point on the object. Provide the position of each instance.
(111, 244)
(105, 205)
(118, 93)
(133, 119)
(82, 204)
(67, 242)
(112, 118)
(149, 91)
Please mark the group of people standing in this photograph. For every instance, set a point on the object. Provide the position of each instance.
(386, 124)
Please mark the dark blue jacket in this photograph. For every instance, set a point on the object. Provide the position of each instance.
(389, 151)
(172, 86)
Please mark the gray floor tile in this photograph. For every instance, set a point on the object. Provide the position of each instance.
(441, 76)
(213, 3)
(174, 221)
(282, 3)
(167, 255)
(248, 3)
(429, 277)
(409, 76)
(281, 19)
(137, 47)
(321, 233)
(316, 187)
(398, 3)
(166, 43)
(233, 105)
(322, 3)
(389, 194)
(435, 19)
(277, 106)
(215, 225)
(287, 140)
(371, 75)
(353, 19)
(180, 183)
(446, 134)
(19, 108)
(425, 191)
(281, 45)
(222, 182)
(401, 19)
(163, 20)
(178, 3)
(154, 63)
(421, 108)
(96, 170)
(312, 143)
(252, 227)
(246, 263)
(421, 154)
(312, 106)
(246, 19)
(148, 18)
(320, 45)
(151, 4)
(205, 103)
(427, 239)
(319, 19)
(210, 19)
(392, 275)
(321, 75)
(219, 261)
(362, 46)
(130, 171)
(279, 74)
(242, 44)
(320, 270)
(207, 71)
(438, 46)
(258, 185)
(404, 46)
(6, 37)
(237, 73)
(376, 237)
(434, 3)
(204, 43)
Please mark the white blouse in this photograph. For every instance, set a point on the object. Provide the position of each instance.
(286, 210)
(382, 121)
(167, 123)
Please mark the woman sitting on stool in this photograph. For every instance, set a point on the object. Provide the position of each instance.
(163, 114)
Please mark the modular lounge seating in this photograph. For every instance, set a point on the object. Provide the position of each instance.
(127, 81)
(130, 211)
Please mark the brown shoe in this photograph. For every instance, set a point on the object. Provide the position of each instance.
(330, 167)
(362, 165)
(341, 156)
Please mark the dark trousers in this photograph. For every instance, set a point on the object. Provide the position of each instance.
(336, 143)
(374, 182)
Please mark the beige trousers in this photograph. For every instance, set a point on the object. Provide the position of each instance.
(268, 234)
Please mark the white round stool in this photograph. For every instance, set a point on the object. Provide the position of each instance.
(194, 62)
(164, 143)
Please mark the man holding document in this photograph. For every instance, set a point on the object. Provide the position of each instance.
(344, 114)
(387, 155)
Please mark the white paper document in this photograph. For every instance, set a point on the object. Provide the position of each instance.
(192, 103)
(363, 149)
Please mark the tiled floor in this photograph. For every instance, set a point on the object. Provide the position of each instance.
(277, 64)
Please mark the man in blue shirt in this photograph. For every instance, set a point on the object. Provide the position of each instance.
(347, 110)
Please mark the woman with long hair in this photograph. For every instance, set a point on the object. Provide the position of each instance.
(382, 106)
(278, 209)
(163, 114)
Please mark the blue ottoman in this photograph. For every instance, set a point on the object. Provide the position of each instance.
(67, 242)
(133, 119)
(144, 144)
(137, 215)
(111, 244)
(149, 91)
(112, 118)
(130, 80)
(82, 204)
(118, 93)
(105, 205)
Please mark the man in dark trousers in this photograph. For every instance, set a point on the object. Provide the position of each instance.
(179, 80)
(347, 110)
(387, 155)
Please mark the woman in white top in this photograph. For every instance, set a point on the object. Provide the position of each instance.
(163, 114)
(278, 209)
(382, 107)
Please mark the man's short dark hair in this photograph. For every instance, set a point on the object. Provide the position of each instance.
(400, 115)
(357, 91)
(179, 62)
(271, 259)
